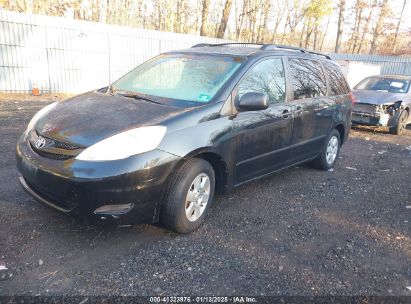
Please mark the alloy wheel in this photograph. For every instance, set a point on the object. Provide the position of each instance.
(197, 197)
(332, 150)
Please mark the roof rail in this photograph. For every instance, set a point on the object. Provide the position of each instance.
(263, 47)
(293, 48)
(227, 43)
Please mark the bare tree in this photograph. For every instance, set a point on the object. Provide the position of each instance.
(315, 11)
(366, 26)
(340, 29)
(379, 26)
(325, 32)
(294, 22)
(287, 20)
(279, 10)
(262, 29)
(224, 18)
(359, 7)
(303, 33)
(204, 15)
(394, 48)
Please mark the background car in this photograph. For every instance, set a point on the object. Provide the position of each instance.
(159, 142)
(383, 100)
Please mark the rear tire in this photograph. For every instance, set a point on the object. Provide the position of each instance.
(189, 196)
(401, 123)
(329, 152)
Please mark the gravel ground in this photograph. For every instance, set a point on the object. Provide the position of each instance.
(299, 232)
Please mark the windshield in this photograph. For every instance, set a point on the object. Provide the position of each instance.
(194, 78)
(392, 85)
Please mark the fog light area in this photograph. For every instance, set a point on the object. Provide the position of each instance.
(114, 209)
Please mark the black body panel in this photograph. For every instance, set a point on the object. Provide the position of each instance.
(242, 145)
(91, 117)
(79, 187)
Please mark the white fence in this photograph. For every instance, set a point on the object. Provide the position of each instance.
(64, 55)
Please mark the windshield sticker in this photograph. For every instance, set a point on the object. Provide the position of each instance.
(398, 85)
(203, 98)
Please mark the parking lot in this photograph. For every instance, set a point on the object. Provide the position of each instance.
(298, 232)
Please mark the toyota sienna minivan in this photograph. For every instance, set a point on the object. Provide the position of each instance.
(160, 142)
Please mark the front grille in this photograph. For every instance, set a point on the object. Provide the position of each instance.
(364, 108)
(66, 146)
(52, 148)
(51, 155)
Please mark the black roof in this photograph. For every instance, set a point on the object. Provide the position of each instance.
(247, 49)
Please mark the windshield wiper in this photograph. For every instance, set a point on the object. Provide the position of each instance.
(138, 96)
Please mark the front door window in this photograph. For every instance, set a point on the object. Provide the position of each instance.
(265, 77)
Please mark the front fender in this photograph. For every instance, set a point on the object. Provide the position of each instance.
(213, 135)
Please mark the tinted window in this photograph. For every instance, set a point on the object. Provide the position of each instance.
(392, 85)
(307, 78)
(336, 78)
(266, 77)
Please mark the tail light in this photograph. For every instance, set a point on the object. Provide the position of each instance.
(353, 98)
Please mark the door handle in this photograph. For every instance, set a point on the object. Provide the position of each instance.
(299, 110)
(286, 114)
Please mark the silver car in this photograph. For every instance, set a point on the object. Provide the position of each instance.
(383, 100)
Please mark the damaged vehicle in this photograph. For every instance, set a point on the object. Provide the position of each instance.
(383, 100)
(157, 144)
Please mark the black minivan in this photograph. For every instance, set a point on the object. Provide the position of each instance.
(158, 143)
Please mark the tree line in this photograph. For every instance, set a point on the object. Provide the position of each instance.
(353, 26)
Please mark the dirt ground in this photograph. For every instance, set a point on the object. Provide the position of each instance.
(298, 232)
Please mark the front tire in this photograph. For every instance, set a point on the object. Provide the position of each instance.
(401, 123)
(329, 152)
(189, 196)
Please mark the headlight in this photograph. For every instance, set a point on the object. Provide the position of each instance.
(39, 115)
(125, 144)
(392, 107)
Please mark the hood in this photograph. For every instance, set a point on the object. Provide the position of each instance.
(86, 119)
(377, 97)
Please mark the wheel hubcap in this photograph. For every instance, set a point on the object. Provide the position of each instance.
(332, 150)
(197, 197)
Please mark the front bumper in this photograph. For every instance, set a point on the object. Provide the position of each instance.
(80, 187)
(361, 118)
(367, 114)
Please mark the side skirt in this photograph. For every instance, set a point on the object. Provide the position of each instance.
(275, 171)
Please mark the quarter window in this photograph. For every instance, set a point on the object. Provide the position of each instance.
(336, 78)
(266, 77)
(307, 78)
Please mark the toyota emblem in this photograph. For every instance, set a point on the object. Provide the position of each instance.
(40, 142)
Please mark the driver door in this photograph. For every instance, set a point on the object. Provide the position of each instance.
(262, 138)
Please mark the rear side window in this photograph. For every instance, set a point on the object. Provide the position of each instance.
(266, 77)
(307, 78)
(337, 81)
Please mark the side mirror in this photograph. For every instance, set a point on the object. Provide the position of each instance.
(253, 101)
